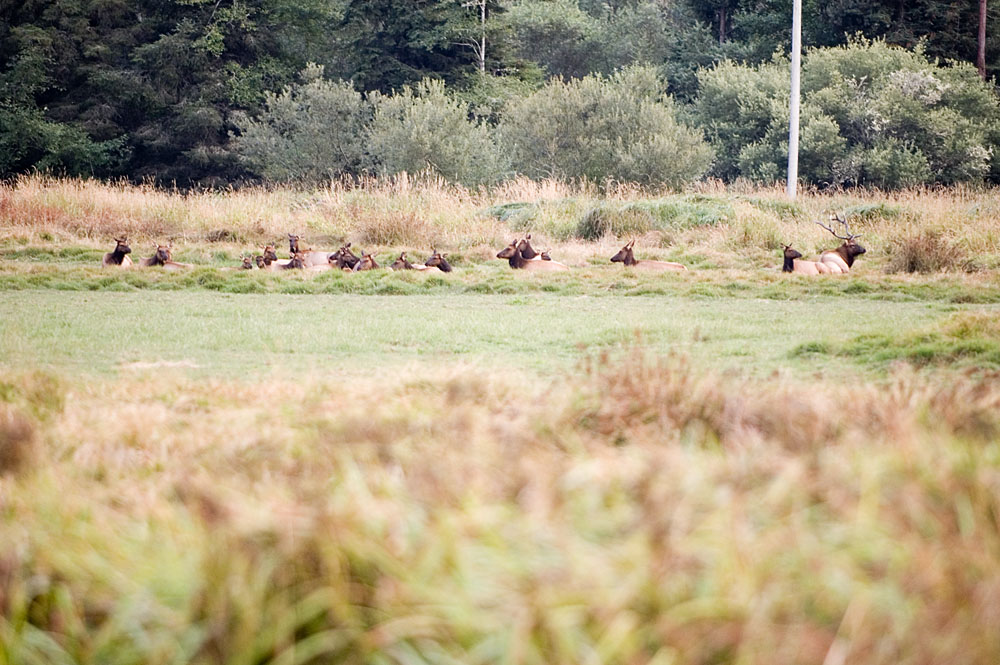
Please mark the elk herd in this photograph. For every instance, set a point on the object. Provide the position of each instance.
(519, 253)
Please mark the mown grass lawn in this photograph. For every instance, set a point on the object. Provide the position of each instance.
(255, 335)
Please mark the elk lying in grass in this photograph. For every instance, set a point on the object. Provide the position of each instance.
(246, 263)
(626, 257)
(162, 258)
(366, 262)
(310, 257)
(438, 260)
(120, 256)
(841, 259)
(517, 261)
(793, 263)
(343, 258)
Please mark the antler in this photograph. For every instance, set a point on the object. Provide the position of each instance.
(838, 218)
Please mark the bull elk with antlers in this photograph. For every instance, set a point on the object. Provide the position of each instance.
(841, 259)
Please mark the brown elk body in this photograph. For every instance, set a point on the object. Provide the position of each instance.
(367, 262)
(120, 256)
(518, 262)
(793, 263)
(162, 258)
(310, 257)
(626, 257)
(343, 258)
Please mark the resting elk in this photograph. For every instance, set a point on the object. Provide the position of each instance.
(343, 258)
(438, 260)
(367, 262)
(841, 259)
(310, 258)
(163, 259)
(626, 257)
(120, 255)
(517, 261)
(794, 264)
(402, 263)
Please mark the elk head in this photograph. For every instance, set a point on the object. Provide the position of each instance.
(162, 254)
(527, 251)
(790, 256)
(121, 245)
(247, 263)
(438, 260)
(259, 260)
(850, 249)
(293, 243)
(625, 255)
(401, 263)
(269, 254)
(509, 251)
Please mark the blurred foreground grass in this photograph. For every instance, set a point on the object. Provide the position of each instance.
(633, 508)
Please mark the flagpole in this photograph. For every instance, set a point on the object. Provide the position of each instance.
(793, 122)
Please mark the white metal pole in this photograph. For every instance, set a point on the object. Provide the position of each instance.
(793, 122)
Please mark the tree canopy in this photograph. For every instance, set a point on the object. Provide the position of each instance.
(184, 91)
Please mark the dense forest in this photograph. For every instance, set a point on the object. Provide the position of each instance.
(660, 92)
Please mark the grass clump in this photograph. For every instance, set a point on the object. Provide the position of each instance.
(638, 217)
(967, 339)
(924, 252)
(620, 222)
(17, 440)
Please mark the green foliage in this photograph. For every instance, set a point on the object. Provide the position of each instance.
(596, 128)
(310, 132)
(557, 35)
(872, 115)
(424, 127)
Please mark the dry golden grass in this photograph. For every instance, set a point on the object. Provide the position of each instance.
(419, 212)
(637, 510)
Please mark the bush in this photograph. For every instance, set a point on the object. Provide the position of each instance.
(309, 132)
(872, 115)
(423, 128)
(622, 128)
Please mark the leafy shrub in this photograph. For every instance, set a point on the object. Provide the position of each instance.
(309, 132)
(872, 115)
(622, 128)
(423, 127)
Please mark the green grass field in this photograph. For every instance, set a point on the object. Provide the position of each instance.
(726, 466)
(216, 334)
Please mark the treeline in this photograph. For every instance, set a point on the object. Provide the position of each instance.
(659, 92)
